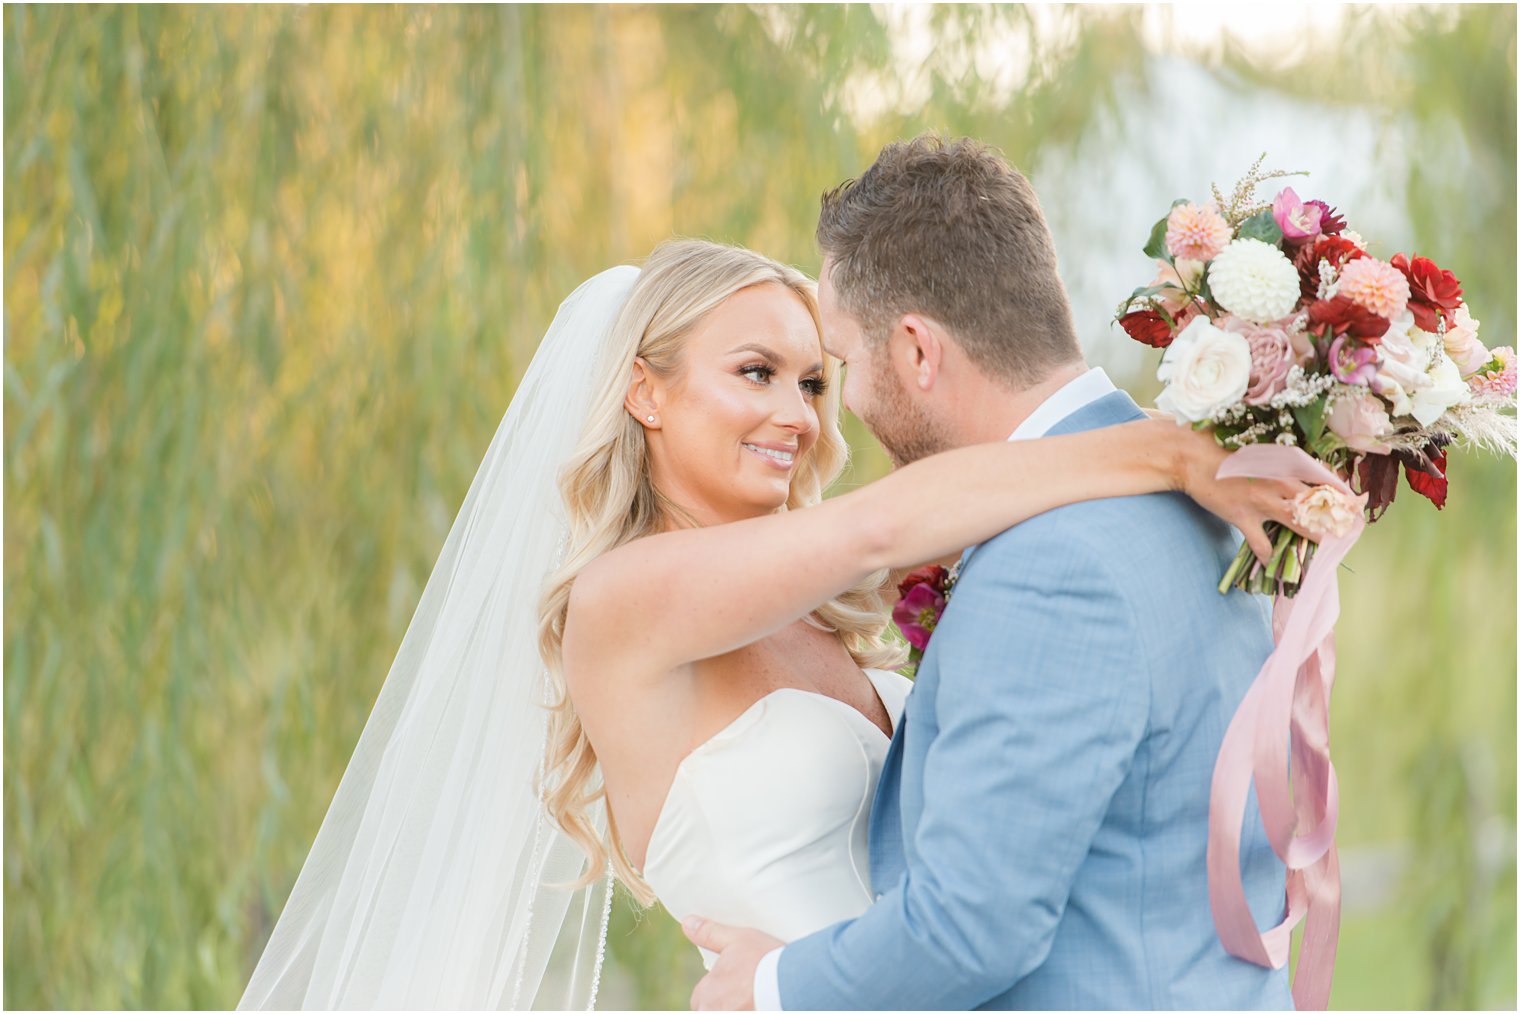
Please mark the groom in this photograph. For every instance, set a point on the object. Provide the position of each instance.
(1039, 829)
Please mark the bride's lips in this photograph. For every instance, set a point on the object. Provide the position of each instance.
(759, 451)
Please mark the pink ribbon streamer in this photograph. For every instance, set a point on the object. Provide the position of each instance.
(1287, 707)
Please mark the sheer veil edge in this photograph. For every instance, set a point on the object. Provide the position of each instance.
(434, 878)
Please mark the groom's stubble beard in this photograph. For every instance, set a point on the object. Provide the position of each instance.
(903, 428)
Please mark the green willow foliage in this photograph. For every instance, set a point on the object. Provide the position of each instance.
(271, 277)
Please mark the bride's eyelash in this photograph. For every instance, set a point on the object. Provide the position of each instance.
(814, 386)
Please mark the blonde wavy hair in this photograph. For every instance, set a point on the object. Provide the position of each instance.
(610, 501)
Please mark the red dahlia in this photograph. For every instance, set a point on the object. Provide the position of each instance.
(1327, 248)
(1342, 316)
(1433, 292)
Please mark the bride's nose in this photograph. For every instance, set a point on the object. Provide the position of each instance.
(794, 412)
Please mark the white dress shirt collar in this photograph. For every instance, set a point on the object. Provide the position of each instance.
(1077, 393)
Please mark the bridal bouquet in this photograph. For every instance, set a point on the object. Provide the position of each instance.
(1294, 340)
(1282, 326)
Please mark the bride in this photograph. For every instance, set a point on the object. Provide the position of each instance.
(650, 650)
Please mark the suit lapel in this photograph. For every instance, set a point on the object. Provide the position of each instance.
(885, 827)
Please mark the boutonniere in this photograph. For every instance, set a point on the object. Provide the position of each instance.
(922, 597)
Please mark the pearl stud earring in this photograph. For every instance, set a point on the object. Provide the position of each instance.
(650, 418)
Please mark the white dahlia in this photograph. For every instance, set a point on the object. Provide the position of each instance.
(1252, 279)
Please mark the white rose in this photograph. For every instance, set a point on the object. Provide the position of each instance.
(1402, 357)
(1416, 374)
(1206, 369)
(1446, 388)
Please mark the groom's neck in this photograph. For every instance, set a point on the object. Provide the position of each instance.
(987, 411)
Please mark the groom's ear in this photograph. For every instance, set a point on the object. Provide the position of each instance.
(643, 398)
(919, 348)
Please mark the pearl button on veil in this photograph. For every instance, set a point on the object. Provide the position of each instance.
(437, 880)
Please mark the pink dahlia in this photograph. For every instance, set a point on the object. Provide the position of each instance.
(1498, 377)
(1197, 233)
(1375, 285)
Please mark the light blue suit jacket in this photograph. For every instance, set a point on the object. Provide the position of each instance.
(1039, 829)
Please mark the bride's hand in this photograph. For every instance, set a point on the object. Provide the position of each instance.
(1248, 504)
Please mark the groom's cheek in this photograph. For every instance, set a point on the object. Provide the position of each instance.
(849, 389)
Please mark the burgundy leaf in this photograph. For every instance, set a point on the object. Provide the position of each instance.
(1429, 482)
(1378, 477)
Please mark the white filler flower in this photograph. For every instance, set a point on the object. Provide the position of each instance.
(1206, 369)
(1254, 280)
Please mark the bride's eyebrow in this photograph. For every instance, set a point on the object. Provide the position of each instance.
(775, 357)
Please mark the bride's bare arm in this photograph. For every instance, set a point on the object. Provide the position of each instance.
(685, 595)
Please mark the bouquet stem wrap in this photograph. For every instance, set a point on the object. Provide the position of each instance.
(1288, 704)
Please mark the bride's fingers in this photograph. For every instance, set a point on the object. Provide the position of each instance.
(1280, 505)
(1256, 538)
(1289, 519)
(705, 933)
(1249, 507)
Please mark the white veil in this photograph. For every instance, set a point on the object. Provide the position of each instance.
(433, 880)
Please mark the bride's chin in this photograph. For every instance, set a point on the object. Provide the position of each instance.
(762, 495)
(763, 505)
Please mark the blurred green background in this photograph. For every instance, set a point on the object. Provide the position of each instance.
(272, 274)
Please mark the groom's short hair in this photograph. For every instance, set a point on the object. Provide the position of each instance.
(951, 230)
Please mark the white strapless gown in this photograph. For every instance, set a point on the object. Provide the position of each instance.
(766, 823)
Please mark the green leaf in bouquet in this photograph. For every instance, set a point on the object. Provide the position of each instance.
(1221, 434)
(1143, 292)
(1494, 365)
(1155, 247)
(1225, 435)
(1203, 286)
(1262, 226)
(1311, 419)
(1327, 447)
